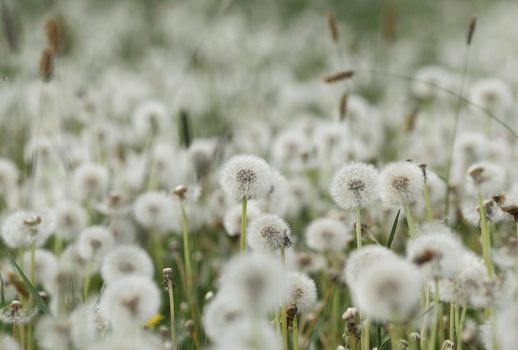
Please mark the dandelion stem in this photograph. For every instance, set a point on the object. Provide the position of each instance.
(295, 333)
(486, 239)
(186, 250)
(86, 285)
(429, 212)
(366, 335)
(358, 227)
(33, 262)
(284, 311)
(409, 220)
(171, 313)
(438, 316)
(395, 336)
(156, 243)
(243, 225)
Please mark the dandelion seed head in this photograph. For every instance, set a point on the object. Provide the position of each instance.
(94, 242)
(327, 234)
(436, 251)
(255, 282)
(89, 181)
(25, 227)
(130, 300)
(70, 219)
(401, 183)
(246, 176)
(124, 261)
(355, 186)
(301, 292)
(361, 259)
(268, 233)
(388, 290)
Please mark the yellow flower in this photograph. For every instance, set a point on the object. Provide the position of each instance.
(154, 321)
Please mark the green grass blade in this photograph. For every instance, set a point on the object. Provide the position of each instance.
(393, 230)
(37, 298)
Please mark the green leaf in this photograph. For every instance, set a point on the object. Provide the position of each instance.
(2, 291)
(37, 298)
(393, 230)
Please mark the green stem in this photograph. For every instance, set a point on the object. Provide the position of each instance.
(243, 225)
(409, 220)
(186, 250)
(284, 311)
(424, 326)
(438, 316)
(295, 333)
(88, 275)
(33, 263)
(451, 333)
(171, 314)
(486, 238)
(358, 227)
(58, 245)
(428, 204)
(366, 335)
(395, 336)
(156, 242)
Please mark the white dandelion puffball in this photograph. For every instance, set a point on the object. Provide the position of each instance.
(388, 290)
(268, 233)
(130, 300)
(53, 333)
(8, 176)
(355, 185)
(129, 341)
(232, 219)
(8, 343)
(220, 314)
(153, 210)
(466, 286)
(94, 242)
(124, 261)
(362, 258)
(22, 228)
(490, 178)
(492, 94)
(71, 218)
(90, 181)
(506, 325)
(401, 183)
(256, 282)
(436, 251)
(246, 176)
(301, 292)
(327, 234)
(249, 335)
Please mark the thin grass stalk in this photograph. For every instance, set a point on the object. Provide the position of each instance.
(424, 332)
(186, 250)
(395, 335)
(243, 225)
(438, 315)
(156, 248)
(88, 278)
(409, 220)
(358, 227)
(366, 335)
(295, 333)
(172, 314)
(428, 204)
(486, 239)
(284, 311)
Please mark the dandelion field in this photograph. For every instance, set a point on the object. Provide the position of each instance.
(274, 175)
